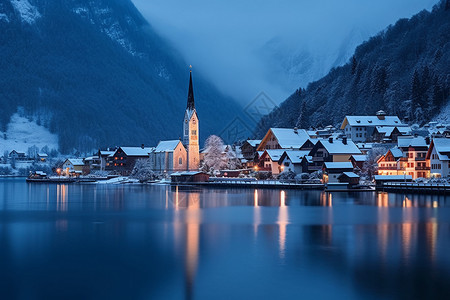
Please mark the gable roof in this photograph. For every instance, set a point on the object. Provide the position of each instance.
(404, 142)
(349, 175)
(136, 151)
(254, 143)
(371, 121)
(359, 157)
(295, 156)
(287, 138)
(442, 146)
(387, 130)
(167, 146)
(75, 161)
(274, 154)
(338, 147)
(396, 152)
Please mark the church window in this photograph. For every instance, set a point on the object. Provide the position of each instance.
(194, 132)
(180, 161)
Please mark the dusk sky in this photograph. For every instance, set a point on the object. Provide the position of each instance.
(245, 47)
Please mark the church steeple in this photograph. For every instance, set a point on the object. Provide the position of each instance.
(190, 101)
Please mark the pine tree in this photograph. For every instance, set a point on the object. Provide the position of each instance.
(354, 65)
(415, 93)
(303, 120)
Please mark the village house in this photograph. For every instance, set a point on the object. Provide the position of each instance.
(439, 156)
(283, 138)
(92, 162)
(73, 167)
(414, 162)
(249, 153)
(269, 161)
(361, 128)
(103, 156)
(17, 155)
(168, 157)
(387, 134)
(291, 160)
(358, 161)
(390, 163)
(332, 171)
(42, 157)
(331, 151)
(124, 158)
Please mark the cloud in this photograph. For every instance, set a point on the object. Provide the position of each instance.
(245, 47)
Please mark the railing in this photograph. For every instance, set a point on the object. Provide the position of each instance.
(420, 158)
(422, 168)
(317, 159)
(388, 168)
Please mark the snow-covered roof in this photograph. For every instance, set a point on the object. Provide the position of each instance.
(287, 138)
(106, 153)
(338, 147)
(387, 130)
(167, 146)
(371, 121)
(295, 156)
(396, 152)
(254, 143)
(359, 157)
(309, 159)
(186, 173)
(137, 151)
(275, 154)
(75, 161)
(338, 165)
(42, 155)
(393, 177)
(364, 146)
(350, 174)
(442, 146)
(411, 142)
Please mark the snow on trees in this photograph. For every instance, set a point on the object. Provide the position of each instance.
(142, 170)
(218, 156)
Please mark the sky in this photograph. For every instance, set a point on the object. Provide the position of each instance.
(246, 47)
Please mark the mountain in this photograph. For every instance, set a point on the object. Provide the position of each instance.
(404, 70)
(95, 73)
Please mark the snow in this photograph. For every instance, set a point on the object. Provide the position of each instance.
(28, 13)
(137, 151)
(411, 142)
(444, 115)
(275, 154)
(22, 134)
(372, 121)
(397, 153)
(442, 146)
(288, 138)
(167, 146)
(296, 156)
(338, 165)
(359, 157)
(254, 143)
(76, 161)
(338, 147)
(393, 177)
(351, 174)
(387, 130)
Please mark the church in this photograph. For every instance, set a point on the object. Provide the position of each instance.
(175, 155)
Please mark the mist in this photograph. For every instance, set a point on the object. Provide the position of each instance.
(276, 46)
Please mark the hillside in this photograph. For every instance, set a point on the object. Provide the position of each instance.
(95, 73)
(404, 70)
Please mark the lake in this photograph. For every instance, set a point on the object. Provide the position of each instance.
(98, 241)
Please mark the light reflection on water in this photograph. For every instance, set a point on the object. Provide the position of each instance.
(165, 242)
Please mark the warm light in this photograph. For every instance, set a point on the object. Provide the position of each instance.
(256, 168)
(58, 171)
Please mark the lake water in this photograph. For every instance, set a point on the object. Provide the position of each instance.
(161, 242)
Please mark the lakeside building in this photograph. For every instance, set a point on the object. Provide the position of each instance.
(73, 167)
(439, 156)
(168, 157)
(124, 158)
(283, 138)
(361, 128)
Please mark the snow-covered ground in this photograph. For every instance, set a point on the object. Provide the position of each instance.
(28, 13)
(22, 134)
(444, 115)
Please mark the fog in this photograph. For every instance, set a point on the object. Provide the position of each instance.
(245, 47)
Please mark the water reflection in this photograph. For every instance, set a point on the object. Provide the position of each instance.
(165, 242)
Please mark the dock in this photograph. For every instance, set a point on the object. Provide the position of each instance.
(415, 188)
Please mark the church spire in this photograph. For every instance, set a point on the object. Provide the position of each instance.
(190, 101)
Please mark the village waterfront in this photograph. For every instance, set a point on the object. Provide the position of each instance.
(83, 241)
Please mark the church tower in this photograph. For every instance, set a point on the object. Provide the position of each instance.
(190, 130)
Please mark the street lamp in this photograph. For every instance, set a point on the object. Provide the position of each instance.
(58, 171)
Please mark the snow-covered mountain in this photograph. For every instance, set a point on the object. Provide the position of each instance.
(95, 73)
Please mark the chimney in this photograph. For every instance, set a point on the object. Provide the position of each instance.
(344, 140)
(330, 139)
(295, 130)
(381, 114)
(427, 140)
(142, 146)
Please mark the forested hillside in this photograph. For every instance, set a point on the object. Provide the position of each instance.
(404, 70)
(95, 73)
